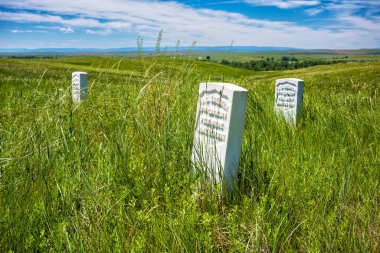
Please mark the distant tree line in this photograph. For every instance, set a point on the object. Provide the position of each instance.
(284, 63)
(31, 57)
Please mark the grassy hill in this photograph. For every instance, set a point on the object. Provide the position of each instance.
(113, 173)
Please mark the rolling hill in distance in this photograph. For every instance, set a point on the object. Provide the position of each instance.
(236, 49)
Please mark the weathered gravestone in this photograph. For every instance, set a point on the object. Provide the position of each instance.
(218, 131)
(288, 99)
(79, 86)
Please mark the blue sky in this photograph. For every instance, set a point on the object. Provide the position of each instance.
(310, 24)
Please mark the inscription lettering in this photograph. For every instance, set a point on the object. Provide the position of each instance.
(213, 134)
(213, 115)
(212, 123)
(286, 94)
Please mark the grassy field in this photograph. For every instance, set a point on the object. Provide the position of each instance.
(234, 54)
(349, 55)
(113, 173)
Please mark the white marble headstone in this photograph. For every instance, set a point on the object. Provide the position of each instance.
(218, 132)
(288, 99)
(79, 86)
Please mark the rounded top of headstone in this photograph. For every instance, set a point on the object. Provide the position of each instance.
(79, 73)
(222, 85)
(291, 80)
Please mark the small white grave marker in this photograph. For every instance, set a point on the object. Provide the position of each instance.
(288, 99)
(79, 86)
(219, 131)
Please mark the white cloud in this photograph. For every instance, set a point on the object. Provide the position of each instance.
(38, 18)
(355, 22)
(283, 4)
(352, 6)
(47, 27)
(181, 22)
(20, 31)
(66, 30)
(314, 11)
(105, 32)
(346, 16)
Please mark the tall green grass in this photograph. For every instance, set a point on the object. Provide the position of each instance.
(113, 173)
